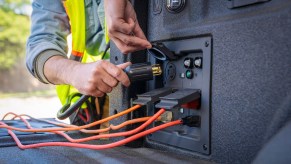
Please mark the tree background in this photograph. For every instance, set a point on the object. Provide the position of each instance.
(14, 31)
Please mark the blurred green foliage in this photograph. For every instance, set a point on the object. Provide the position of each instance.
(14, 30)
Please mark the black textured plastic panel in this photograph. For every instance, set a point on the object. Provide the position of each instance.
(196, 139)
(250, 69)
(178, 98)
(152, 96)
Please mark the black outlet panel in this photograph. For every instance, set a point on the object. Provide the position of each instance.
(175, 76)
(250, 80)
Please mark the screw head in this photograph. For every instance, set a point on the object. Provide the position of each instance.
(206, 43)
(205, 147)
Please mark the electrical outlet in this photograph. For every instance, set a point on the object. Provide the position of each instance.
(188, 74)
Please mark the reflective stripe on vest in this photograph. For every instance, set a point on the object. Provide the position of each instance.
(76, 12)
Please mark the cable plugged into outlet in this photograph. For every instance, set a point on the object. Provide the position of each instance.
(186, 65)
(166, 117)
(192, 121)
(143, 71)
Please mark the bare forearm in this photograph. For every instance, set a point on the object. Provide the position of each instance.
(95, 79)
(59, 70)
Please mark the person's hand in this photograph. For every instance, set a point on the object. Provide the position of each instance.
(95, 79)
(99, 77)
(123, 27)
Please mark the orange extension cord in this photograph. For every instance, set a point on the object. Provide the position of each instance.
(120, 134)
(76, 127)
(95, 147)
(111, 127)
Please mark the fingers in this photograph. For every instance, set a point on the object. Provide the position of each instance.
(124, 65)
(117, 73)
(100, 77)
(98, 93)
(103, 87)
(129, 37)
(125, 49)
(96, 87)
(98, 90)
(139, 33)
(109, 80)
(132, 40)
(121, 27)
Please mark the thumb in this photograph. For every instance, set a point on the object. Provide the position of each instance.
(124, 65)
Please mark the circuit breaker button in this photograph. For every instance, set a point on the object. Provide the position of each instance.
(188, 63)
(198, 62)
(189, 74)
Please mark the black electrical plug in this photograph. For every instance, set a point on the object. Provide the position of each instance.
(135, 72)
(142, 71)
(192, 121)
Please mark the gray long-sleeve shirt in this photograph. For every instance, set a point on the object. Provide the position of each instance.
(50, 27)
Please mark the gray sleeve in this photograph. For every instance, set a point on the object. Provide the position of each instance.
(49, 29)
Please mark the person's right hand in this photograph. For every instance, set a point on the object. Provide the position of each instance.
(123, 26)
(99, 77)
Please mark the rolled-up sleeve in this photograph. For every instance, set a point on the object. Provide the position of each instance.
(49, 29)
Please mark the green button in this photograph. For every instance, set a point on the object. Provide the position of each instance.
(189, 74)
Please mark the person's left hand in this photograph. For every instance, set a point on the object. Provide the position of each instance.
(123, 27)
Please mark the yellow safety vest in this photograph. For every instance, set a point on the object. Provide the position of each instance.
(76, 13)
